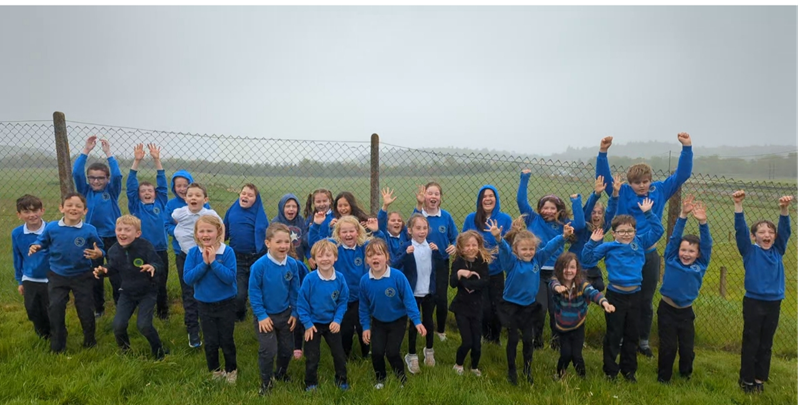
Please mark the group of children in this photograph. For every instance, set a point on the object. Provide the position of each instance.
(372, 275)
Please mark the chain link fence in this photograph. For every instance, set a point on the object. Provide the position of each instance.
(28, 164)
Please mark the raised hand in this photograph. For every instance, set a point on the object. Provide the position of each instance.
(616, 185)
(387, 198)
(319, 217)
(599, 186)
(99, 271)
(372, 225)
(94, 253)
(646, 205)
(494, 229)
(700, 212)
(91, 142)
(155, 151)
(684, 139)
(106, 147)
(567, 230)
(526, 171)
(785, 201)
(597, 235)
(688, 205)
(738, 196)
(420, 193)
(147, 268)
(606, 142)
(138, 152)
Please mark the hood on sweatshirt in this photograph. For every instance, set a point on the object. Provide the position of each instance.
(184, 174)
(298, 220)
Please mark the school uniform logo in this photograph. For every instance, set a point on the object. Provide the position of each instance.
(535, 268)
(633, 245)
(390, 292)
(358, 261)
(442, 229)
(138, 262)
(554, 225)
(106, 196)
(335, 295)
(288, 275)
(695, 267)
(156, 210)
(80, 242)
(652, 189)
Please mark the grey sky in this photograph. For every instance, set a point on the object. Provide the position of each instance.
(527, 79)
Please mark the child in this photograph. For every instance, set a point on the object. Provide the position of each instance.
(386, 301)
(686, 262)
(346, 204)
(351, 238)
(416, 263)
(571, 296)
(518, 306)
(764, 288)
(321, 306)
(184, 232)
(319, 200)
(102, 200)
(147, 203)
(489, 207)
(547, 223)
(392, 224)
(273, 288)
(288, 210)
(137, 263)
(638, 188)
(470, 276)
(246, 238)
(600, 217)
(624, 260)
(211, 271)
(68, 242)
(299, 330)
(443, 232)
(31, 272)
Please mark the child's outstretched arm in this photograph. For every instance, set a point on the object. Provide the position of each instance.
(543, 255)
(655, 230)
(741, 233)
(612, 205)
(783, 231)
(672, 249)
(595, 196)
(602, 163)
(522, 195)
(705, 246)
(79, 167)
(684, 167)
(592, 252)
(579, 214)
(133, 181)
(115, 183)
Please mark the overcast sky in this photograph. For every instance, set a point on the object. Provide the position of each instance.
(528, 79)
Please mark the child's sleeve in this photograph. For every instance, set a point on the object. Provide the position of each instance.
(398, 261)
(782, 234)
(303, 305)
(155, 261)
(226, 222)
(194, 267)
(18, 258)
(43, 240)
(457, 264)
(477, 283)
(683, 171)
(592, 294)
(303, 271)
(313, 234)
(382, 220)
(452, 233)
(343, 301)
(409, 300)
(542, 255)
(590, 203)
(579, 213)
(169, 220)
(610, 212)
(521, 198)
(115, 185)
(553, 283)
(161, 188)
(506, 257)
(132, 192)
(741, 233)
(363, 306)
(226, 270)
(676, 238)
(255, 293)
(79, 174)
(603, 169)
(592, 252)
(706, 244)
(654, 232)
(94, 238)
(378, 234)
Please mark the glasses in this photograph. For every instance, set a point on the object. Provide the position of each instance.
(92, 178)
(625, 232)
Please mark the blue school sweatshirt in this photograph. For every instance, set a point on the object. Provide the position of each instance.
(174, 204)
(246, 227)
(103, 205)
(34, 267)
(523, 278)
(764, 269)
(151, 215)
(212, 282)
(66, 245)
(324, 231)
(322, 301)
(273, 286)
(624, 261)
(297, 226)
(386, 299)
(351, 262)
(395, 243)
(504, 222)
(442, 231)
(681, 283)
(584, 235)
(659, 191)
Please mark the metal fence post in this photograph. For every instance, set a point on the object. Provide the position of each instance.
(375, 174)
(62, 153)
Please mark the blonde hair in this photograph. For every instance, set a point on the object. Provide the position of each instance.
(482, 253)
(379, 246)
(324, 245)
(128, 219)
(638, 172)
(349, 219)
(525, 236)
(415, 218)
(210, 220)
(275, 227)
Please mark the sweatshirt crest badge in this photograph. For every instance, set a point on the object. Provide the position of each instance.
(288, 276)
(106, 196)
(156, 210)
(138, 262)
(442, 229)
(695, 267)
(335, 295)
(390, 292)
(633, 245)
(358, 261)
(79, 242)
(535, 268)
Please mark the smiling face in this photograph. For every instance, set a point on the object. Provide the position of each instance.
(97, 179)
(279, 244)
(432, 199)
(343, 207)
(321, 202)
(624, 233)
(549, 211)
(290, 209)
(488, 200)
(246, 198)
(525, 249)
(73, 210)
(195, 198)
(470, 249)
(377, 260)
(764, 236)
(207, 234)
(597, 216)
(419, 230)
(688, 253)
(395, 223)
(347, 233)
(32, 217)
(181, 186)
(147, 194)
(325, 259)
(126, 233)
(569, 272)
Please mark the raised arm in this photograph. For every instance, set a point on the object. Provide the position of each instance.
(602, 163)
(655, 230)
(132, 190)
(783, 232)
(741, 233)
(683, 169)
(521, 196)
(579, 214)
(672, 249)
(115, 183)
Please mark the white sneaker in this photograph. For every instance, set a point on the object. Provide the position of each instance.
(218, 375)
(379, 386)
(429, 357)
(412, 363)
(458, 369)
(476, 372)
(231, 377)
(441, 336)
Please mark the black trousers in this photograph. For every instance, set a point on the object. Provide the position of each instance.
(98, 288)
(190, 307)
(491, 297)
(426, 305)
(161, 278)
(622, 324)
(571, 343)
(441, 298)
(471, 335)
(760, 320)
(37, 302)
(517, 318)
(595, 278)
(218, 324)
(243, 263)
(124, 311)
(277, 343)
(58, 289)
(676, 332)
(547, 308)
(651, 271)
(351, 325)
(299, 336)
(313, 354)
(386, 341)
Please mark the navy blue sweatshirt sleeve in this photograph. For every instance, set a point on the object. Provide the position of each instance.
(133, 192)
(683, 171)
(741, 234)
(579, 213)
(705, 245)
(782, 234)
(654, 232)
(522, 200)
(676, 238)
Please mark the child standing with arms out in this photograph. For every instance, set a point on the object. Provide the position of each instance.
(72, 245)
(764, 288)
(147, 203)
(686, 262)
(320, 200)
(31, 271)
(392, 224)
(185, 219)
(522, 264)
(211, 271)
(102, 199)
(273, 289)
(246, 238)
(624, 260)
(321, 306)
(470, 276)
(386, 301)
(571, 295)
(138, 264)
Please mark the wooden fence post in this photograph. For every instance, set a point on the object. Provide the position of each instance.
(62, 153)
(375, 174)
(723, 273)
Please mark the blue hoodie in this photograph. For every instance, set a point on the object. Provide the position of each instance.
(103, 205)
(298, 226)
(504, 222)
(248, 236)
(174, 204)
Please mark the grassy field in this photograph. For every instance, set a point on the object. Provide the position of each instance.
(101, 375)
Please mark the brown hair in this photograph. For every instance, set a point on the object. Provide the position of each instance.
(562, 262)
(73, 194)
(29, 202)
(309, 208)
(638, 172)
(199, 186)
(483, 253)
(355, 209)
(562, 210)
(275, 227)
(623, 220)
(251, 186)
(324, 245)
(378, 245)
(99, 167)
(415, 218)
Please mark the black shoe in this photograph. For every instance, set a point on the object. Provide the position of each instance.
(512, 377)
(99, 314)
(555, 342)
(194, 340)
(748, 388)
(686, 376)
(163, 315)
(282, 377)
(630, 377)
(161, 353)
(538, 342)
(645, 351)
(89, 343)
(759, 387)
(662, 380)
(611, 377)
(265, 388)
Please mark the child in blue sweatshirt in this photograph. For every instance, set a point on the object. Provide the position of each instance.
(320, 200)
(321, 306)
(386, 301)
(102, 200)
(147, 203)
(72, 245)
(624, 259)
(211, 271)
(600, 217)
(288, 213)
(489, 207)
(31, 271)
(246, 239)
(391, 224)
(640, 187)
(686, 262)
(522, 264)
(273, 289)
(764, 288)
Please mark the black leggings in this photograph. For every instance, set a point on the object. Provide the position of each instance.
(471, 335)
(571, 350)
(425, 305)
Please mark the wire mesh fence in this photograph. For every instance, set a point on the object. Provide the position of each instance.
(28, 164)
